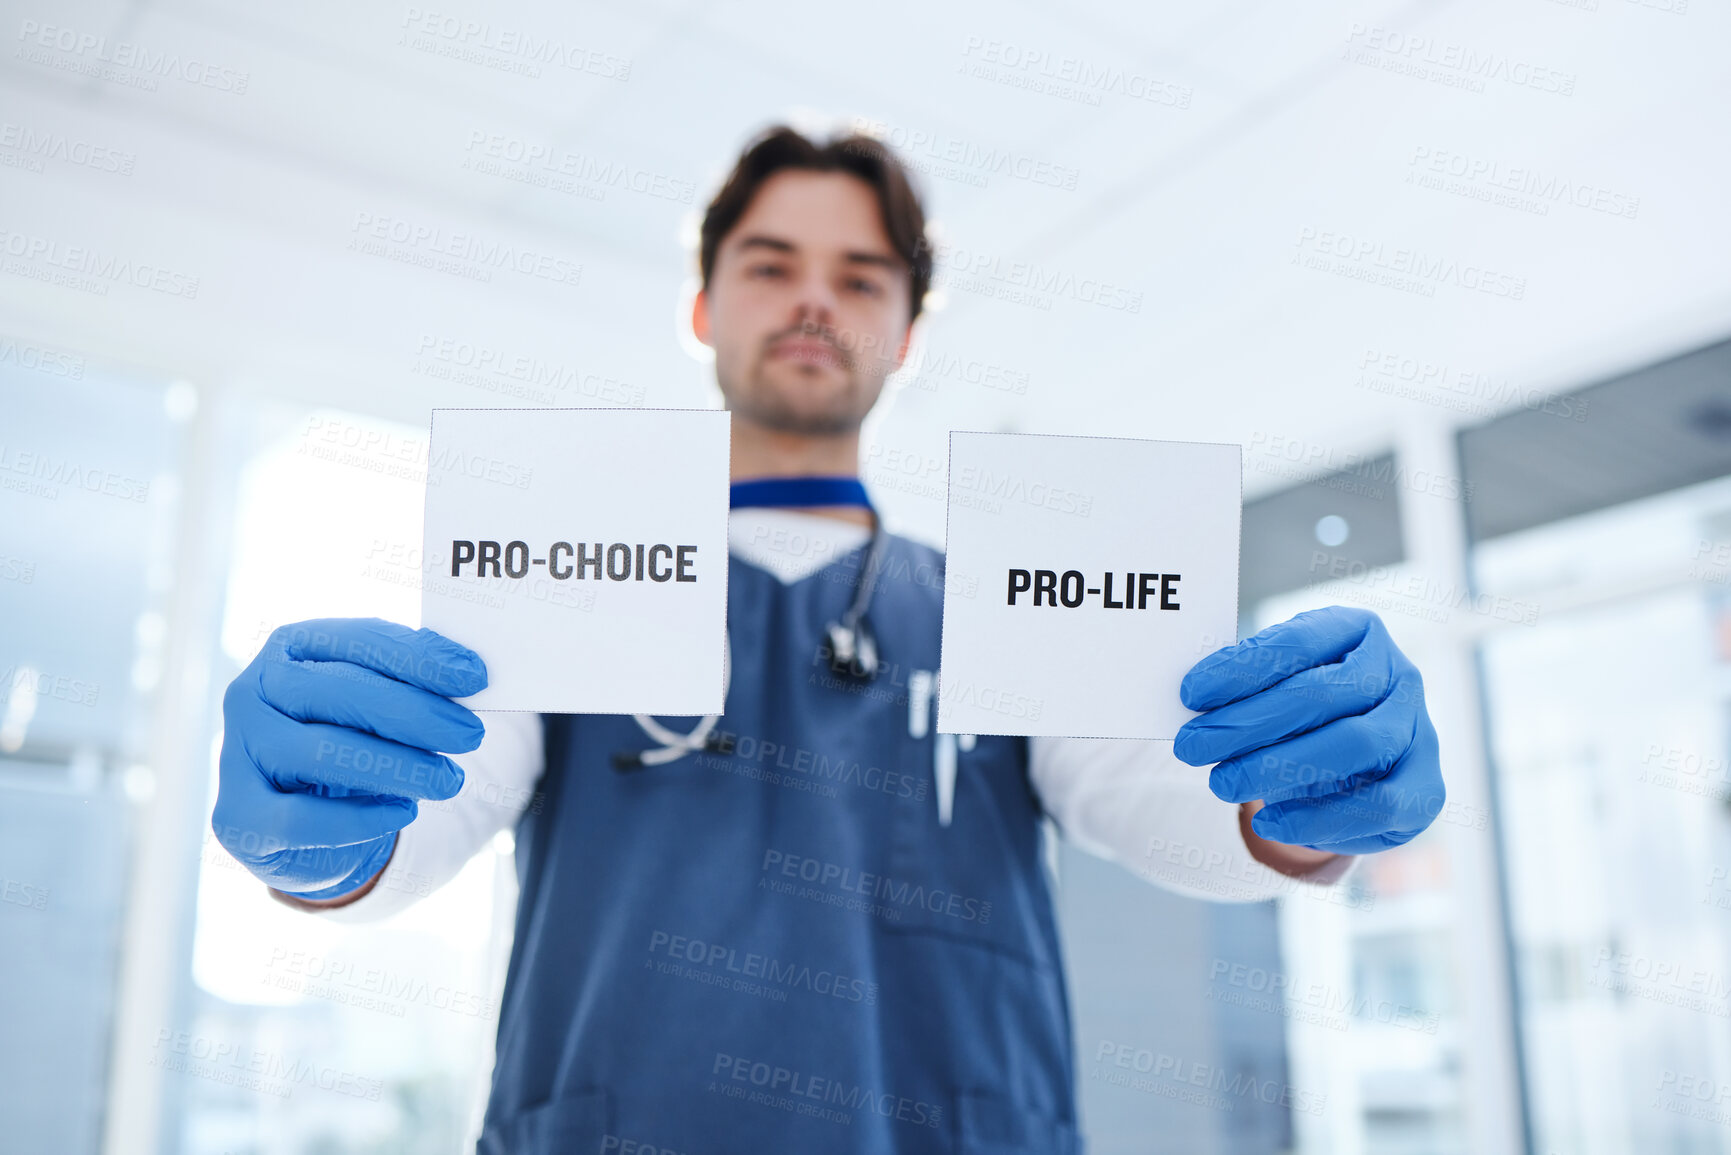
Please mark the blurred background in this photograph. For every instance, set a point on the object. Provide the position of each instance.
(1452, 273)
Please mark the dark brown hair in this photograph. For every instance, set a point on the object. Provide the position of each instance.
(779, 148)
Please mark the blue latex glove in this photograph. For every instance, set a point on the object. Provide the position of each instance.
(1322, 718)
(328, 746)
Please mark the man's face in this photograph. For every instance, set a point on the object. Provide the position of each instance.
(807, 306)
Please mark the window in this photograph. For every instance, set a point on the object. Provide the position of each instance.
(303, 1034)
(1607, 724)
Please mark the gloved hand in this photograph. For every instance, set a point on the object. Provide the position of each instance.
(1322, 718)
(328, 745)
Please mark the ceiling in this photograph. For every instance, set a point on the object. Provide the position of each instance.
(1197, 159)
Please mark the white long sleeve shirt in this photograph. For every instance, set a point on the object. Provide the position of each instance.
(1126, 800)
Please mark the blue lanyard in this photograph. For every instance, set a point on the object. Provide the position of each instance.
(799, 491)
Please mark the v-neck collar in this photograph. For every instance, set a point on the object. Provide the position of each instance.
(792, 545)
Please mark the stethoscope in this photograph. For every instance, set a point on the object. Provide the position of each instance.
(853, 648)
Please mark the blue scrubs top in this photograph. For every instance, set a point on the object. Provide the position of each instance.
(779, 949)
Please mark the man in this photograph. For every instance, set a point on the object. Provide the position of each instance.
(847, 944)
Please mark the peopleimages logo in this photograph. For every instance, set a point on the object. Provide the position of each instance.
(1545, 188)
(1367, 257)
(800, 1085)
(834, 877)
(967, 155)
(728, 960)
(97, 53)
(466, 254)
(1026, 282)
(426, 29)
(102, 268)
(71, 473)
(43, 145)
(1426, 57)
(1068, 77)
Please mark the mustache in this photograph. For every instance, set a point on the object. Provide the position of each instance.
(821, 332)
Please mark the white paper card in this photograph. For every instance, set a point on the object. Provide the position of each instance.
(1050, 531)
(583, 554)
